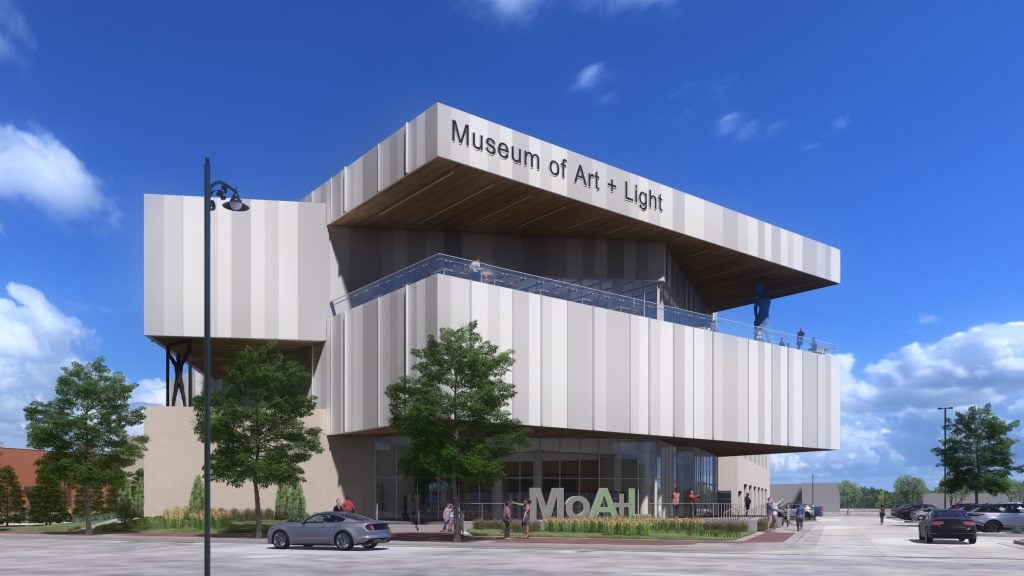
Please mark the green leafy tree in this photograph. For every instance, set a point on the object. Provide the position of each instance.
(978, 453)
(454, 411)
(257, 423)
(291, 502)
(909, 489)
(195, 500)
(1016, 491)
(129, 503)
(85, 429)
(850, 494)
(12, 496)
(49, 498)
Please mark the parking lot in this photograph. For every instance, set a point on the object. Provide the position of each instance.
(833, 545)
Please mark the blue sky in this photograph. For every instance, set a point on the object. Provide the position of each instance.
(890, 130)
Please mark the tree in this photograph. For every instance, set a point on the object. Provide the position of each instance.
(850, 494)
(454, 411)
(12, 496)
(85, 430)
(129, 503)
(49, 498)
(256, 423)
(978, 453)
(1016, 491)
(909, 489)
(291, 502)
(195, 499)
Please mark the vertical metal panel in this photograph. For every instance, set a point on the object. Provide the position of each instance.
(155, 269)
(682, 371)
(391, 159)
(390, 349)
(777, 432)
(662, 361)
(810, 400)
(796, 396)
(580, 366)
(616, 365)
(361, 180)
(288, 270)
(188, 215)
(336, 347)
(835, 424)
(421, 140)
(554, 384)
(824, 401)
(336, 205)
(240, 271)
(601, 352)
(272, 258)
(717, 391)
(534, 344)
(639, 382)
(703, 344)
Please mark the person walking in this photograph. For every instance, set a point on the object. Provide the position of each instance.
(881, 514)
(506, 517)
(800, 513)
(446, 515)
(675, 502)
(746, 504)
(772, 513)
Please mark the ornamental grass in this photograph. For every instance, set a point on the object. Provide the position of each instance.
(645, 526)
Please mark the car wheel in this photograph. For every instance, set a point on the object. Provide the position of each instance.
(972, 539)
(370, 545)
(343, 540)
(993, 526)
(280, 539)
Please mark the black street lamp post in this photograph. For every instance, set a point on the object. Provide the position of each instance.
(945, 425)
(235, 204)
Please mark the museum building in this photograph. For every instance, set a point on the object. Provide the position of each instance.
(605, 284)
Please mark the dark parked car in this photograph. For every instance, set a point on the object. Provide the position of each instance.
(942, 523)
(896, 509)
(996, 517)
(916, 512)
(341, 529)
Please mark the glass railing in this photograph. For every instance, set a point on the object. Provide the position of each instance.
(505, 278)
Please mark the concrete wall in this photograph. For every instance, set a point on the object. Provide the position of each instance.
(175, 457)
(740, 475)
(589, 369)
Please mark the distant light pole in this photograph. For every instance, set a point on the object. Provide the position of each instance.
(945, 425)
(235, 204)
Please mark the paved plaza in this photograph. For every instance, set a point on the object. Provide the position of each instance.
(833, 545)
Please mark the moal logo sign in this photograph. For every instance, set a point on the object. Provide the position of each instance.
(556, 503)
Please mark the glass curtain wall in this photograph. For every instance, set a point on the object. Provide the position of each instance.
(580, 466)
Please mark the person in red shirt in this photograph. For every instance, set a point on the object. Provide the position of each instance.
(691, 497)
(348, 505)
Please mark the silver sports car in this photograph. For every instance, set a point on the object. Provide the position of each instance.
(341, 529)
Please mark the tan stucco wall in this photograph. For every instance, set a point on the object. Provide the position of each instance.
(740, 474)
(175, 457)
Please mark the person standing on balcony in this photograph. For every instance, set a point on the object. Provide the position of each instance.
(762, 303)
(800, 339)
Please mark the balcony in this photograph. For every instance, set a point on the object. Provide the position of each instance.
(505, 278)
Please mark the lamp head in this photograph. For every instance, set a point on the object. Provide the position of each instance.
(236, 204)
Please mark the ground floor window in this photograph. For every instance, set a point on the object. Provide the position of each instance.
(579, 466)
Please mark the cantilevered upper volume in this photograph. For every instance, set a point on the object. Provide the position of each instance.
(449, 170)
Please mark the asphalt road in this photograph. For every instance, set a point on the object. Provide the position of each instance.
(834, 546)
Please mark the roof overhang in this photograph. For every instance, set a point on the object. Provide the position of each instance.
(430, 175)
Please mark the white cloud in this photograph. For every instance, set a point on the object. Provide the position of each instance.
(840, 123)
(927, 318)
(513, 10)
(38, 168)
(616, 6)
(15, 35)
(150, 392)
(735, 125)
(590, 76)
(890, 419)
(36, 339)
